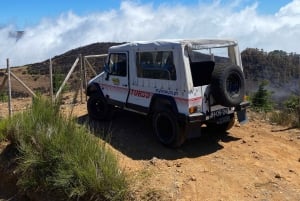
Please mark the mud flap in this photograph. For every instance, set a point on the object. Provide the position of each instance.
(242, 116)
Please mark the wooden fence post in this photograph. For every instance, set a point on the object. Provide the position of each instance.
(81, 80)
(23, 84)
(51, 79)
(299, 92)
(66, 79)
(85, 77)
(9, 88)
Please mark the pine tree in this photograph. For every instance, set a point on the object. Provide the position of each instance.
(262, 98)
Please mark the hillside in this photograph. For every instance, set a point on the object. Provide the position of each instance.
(36, 76)
(280, 68)
(65, 60)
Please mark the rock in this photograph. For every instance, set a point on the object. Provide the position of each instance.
(237, 125)
(153, 161)
(278, 176)
(169, 164)
(178, 164)
(179, 171)
(178, 184)
(193, 178)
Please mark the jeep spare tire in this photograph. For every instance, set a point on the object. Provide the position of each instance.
(228, 85)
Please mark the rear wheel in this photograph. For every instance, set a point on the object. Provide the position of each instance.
(98, 108)
(167, 129)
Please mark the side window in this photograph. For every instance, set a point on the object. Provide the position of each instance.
(117, 64)
(156, 65)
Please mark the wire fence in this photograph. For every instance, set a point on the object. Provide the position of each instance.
(62, 77)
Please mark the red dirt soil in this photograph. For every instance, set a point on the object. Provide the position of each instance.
(256, 161)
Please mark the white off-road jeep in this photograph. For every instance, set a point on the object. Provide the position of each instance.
(180, 84)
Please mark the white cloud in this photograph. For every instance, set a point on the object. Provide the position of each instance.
(134, 21)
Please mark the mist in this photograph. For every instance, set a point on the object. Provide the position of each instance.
(134, 21)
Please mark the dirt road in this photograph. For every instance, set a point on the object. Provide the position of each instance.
(257, 161)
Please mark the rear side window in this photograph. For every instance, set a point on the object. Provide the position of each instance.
(118, 64)
(156, 65)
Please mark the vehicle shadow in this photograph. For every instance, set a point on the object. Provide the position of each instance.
(132, 134)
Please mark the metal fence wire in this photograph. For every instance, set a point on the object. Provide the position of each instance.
(52, 78)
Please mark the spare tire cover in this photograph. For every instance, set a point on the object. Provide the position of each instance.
(228, 85)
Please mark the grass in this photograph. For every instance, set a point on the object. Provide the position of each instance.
(2, 125)
(3, 97)
(286, 118)
(289, 115)
(56, 154)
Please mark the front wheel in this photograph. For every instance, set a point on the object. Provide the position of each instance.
(98, 108)
(167, 129)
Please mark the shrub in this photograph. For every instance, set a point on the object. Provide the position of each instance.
(289, 115)
(58, 79)
(3, 97)
(292, 103)
(56, 154)
(2, 129)
(261, 100)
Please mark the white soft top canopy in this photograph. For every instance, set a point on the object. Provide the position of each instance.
(192, 44)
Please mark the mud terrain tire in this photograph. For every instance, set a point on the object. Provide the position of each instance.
(167, 129)
(98, 109)
(228, 85)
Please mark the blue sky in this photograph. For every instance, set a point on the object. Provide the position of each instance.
(54, 27)
(24, 13)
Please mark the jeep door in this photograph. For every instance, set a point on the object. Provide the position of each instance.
(116, 81)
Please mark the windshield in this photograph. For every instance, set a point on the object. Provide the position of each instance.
(218, 55)
(204, 61)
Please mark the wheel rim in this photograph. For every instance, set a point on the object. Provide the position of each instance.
(99, 106)
(233, 85)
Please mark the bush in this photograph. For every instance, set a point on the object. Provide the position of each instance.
(261, 100)
(58, 79)
(2, 129)
(289, 115)
(3, 97)
(58, 155)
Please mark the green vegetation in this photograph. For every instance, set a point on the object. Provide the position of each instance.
(279, 67)
(290, 114)
(2, 127)
(57, 155)
(261, 100)
(3, 97)
(58, 79)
